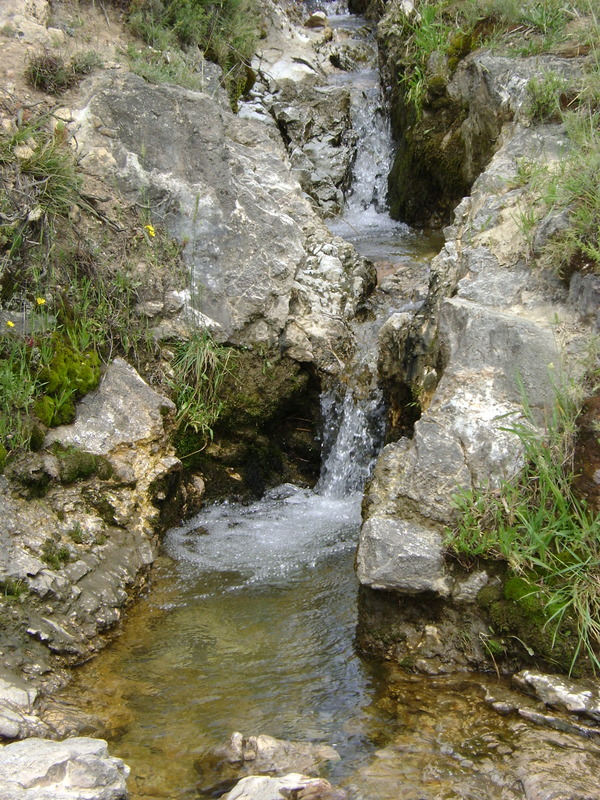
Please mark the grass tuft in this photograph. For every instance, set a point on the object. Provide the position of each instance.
(543, 531)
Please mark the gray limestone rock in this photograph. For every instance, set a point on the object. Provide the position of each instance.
(578, 696)
(73, 556)
(75, 769)
(262, 787)
(401, 555)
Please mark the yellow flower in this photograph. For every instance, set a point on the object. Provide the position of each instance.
(150, 229)
(40, 301)
(10, 324)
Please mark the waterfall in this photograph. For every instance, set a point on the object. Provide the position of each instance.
(351, 437)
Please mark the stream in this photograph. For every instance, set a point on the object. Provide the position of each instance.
(249, 623)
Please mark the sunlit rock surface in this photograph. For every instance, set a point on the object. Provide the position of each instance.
(75, 769)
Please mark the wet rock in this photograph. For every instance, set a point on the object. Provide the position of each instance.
(316, 20)
(17, 699)
(293, 786)
(580, 697)
(76, 769)
(261, 754)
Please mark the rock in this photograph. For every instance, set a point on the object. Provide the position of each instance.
(73, 556)
(251, 239)
(76, 769)
(261, 754)
(400, 555)
(317, 19)
(124, 410)
(483, 342)
(299, 787)
(579, 697)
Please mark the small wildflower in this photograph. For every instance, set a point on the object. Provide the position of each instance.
(150, 229)
(10, 324)
(40, 301)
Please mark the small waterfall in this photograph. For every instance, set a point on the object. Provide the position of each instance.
(374, 151)
(353, 431)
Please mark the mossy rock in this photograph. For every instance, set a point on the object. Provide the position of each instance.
(532, 633)
(69, 376)
(262, 385)
(78, 465)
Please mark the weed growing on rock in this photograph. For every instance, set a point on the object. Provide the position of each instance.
(545, 533)
(225, 32)
(49, 72)
(200, 366)
(69, 287)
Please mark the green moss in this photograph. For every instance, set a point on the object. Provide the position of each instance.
(526, 594)
(259, 389)
(69, 376)
(3, 454)
(77, 465)
(531, 630)
(44, 408)
(488, 595)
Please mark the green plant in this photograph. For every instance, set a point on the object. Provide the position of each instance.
(11, 589)
(55, 556)
(545, 96)
(542, 530)
(200, 366)
(49, 72)
(226, 31)
(575, 186)
(76, 534)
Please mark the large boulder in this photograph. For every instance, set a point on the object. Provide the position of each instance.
(223, 186)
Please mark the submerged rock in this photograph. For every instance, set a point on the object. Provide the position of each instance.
(262, 755)
(299, 787)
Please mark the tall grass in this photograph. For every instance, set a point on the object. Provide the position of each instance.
(200, 367)
(226, 31)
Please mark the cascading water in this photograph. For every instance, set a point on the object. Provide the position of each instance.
(250, 625)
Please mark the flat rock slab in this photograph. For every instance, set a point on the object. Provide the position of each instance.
(579, 697)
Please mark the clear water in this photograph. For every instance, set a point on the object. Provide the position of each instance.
(249, 627)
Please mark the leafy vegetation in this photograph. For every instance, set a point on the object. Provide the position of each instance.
(547, 536)
(225, 31)
(69, 285)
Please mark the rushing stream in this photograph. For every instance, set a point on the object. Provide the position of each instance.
(250, 621)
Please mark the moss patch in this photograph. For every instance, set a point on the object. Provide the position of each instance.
(524, 616)
(427, 178)
(77, 465)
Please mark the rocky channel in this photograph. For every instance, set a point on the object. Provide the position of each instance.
(248, 197)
